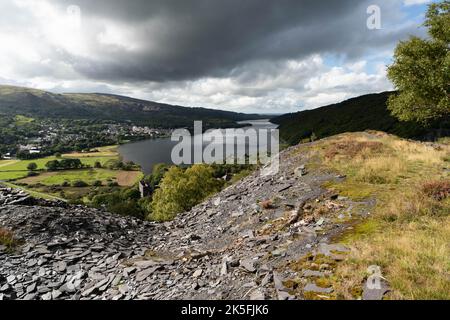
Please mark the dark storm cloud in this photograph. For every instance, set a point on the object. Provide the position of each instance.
(190, 39)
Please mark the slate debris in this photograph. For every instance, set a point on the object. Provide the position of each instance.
(225, 248)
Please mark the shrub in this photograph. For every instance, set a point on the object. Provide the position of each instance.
(79, 184)
(32, 166)
(32, 174)
(52, 165)
(127, 208)
(181, 190)
(124, 202)
(97, 183)
(65, 184)
(114, 165)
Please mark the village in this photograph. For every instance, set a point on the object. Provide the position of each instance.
(37, 138)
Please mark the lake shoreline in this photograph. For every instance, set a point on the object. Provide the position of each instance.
(143, 152)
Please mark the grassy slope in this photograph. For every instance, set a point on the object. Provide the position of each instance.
(35, 194)
(357, 114)
(408, 233)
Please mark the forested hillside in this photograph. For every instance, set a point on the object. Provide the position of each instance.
(357, 114)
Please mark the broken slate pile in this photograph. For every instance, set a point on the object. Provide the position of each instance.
(9, 196)
(243, 243)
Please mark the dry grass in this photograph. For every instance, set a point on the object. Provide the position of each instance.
(128, 178)
(268, 204)
(352, 148)
(408, 234)
(413, 256)
(7, 239)
(380, 169)
(418, 152)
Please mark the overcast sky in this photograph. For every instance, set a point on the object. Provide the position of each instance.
(267, 56)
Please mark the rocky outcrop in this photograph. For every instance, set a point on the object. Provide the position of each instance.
(229, 247)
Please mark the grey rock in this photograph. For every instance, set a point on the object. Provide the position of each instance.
(31, 263)
(30, 296)
(61, 266)
(142, 275)
(145, 264)
(320, 222)
(279, 252)
(312, 287)
(123, 289)
(312, 273)
(248, 264)
(282, 295)
(56, 294)
(278, 282)
(267, 279)
(195, 286)
(47, 296)
(375, 288)
(237, 214)
(11, 279)
(116, 280)
(43, 289)
(197, 273)
(31, 287)
(4, 288)
(258, 295)
(224, 267)
(300, 171)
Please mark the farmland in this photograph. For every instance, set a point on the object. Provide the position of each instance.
(123, 178)
(61, 183)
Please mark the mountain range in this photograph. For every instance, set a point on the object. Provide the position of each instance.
(367, 112)
(43, 104)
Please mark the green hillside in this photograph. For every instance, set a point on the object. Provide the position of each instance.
(368, 112)
(42, 104)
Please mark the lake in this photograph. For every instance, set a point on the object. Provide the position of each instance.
(147, 153)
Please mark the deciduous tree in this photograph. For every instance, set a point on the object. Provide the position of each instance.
(421, 71)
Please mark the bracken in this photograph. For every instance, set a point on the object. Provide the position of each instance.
(438, 190)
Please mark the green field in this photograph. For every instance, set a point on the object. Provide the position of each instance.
(4, 163)
(57, 178)
(12, 170)
(107, 151)
(16, 171)
(13, 175)
(22, 120)
(22, 165)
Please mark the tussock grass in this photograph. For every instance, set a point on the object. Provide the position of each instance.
(380, 170)
(8, 239)
(408, 235)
